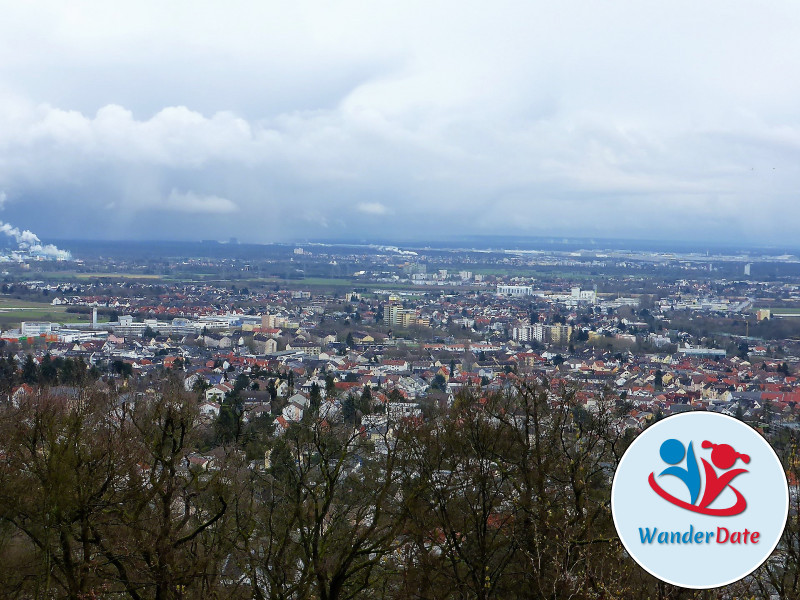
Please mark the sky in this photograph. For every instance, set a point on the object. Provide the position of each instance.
(286, 121)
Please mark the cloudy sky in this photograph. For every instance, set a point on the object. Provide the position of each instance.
(275, 121)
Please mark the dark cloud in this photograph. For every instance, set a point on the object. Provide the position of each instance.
(273, 121)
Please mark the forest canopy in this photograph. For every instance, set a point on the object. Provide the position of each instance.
(108, 494)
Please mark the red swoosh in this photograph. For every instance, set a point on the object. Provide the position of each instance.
(737, 508)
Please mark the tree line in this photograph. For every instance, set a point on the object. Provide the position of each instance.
(507, 495)
(50, 371)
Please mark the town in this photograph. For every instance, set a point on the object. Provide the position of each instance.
(663, 341)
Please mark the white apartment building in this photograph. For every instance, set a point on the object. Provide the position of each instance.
(530, 333)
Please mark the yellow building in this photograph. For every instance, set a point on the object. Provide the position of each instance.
(560, 334)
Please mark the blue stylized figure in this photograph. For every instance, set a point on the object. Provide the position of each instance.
(672, 452)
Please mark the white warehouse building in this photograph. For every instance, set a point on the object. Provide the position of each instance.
(514, 290)
(29, 328)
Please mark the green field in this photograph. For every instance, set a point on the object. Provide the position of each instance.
(543, 272)
(69, 275)
(13, 312)
(320, 283)
(116, 276)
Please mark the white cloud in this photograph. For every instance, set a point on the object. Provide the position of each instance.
(192, 203)
(372, 208)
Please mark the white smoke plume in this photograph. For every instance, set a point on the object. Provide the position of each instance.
(29, 242)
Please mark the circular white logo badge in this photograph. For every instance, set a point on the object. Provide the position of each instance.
(700, 500)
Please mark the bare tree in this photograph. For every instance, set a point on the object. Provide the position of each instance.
(323, 522)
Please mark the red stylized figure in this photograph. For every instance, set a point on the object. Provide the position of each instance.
(724, 457)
